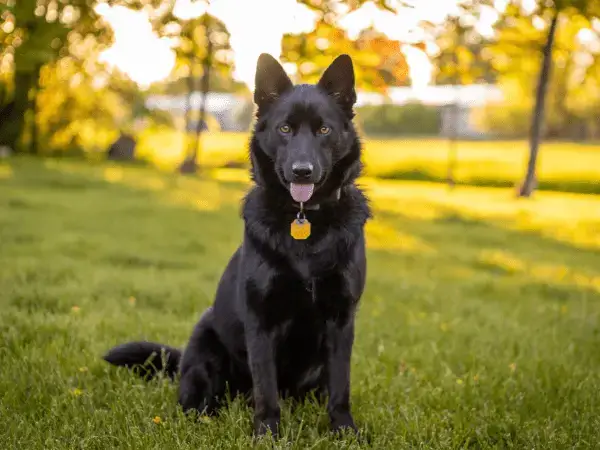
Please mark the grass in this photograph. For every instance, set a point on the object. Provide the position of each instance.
(566, 167)
(479, 327)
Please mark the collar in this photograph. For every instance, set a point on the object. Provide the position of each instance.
(336, 196)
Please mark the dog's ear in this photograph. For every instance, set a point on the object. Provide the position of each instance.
(338, 82)
(271, 81)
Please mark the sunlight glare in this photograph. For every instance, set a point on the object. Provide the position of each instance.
(146, 58)
(137, 50)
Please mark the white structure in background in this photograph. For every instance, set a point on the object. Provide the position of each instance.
(224, 107)
(462, 99)
(459, 100)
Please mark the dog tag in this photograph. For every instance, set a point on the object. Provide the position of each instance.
(300, 228)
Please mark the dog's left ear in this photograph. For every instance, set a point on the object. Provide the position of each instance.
(338, 82)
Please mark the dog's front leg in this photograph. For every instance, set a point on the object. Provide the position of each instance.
(261, 358)
(340, 338)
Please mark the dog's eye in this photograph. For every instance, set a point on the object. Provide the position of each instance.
(324, 130)
(285, 129)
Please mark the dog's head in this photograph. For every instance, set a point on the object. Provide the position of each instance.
(304, 140)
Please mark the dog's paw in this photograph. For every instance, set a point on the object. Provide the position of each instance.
(263, 427)
(346, 429)
(343, 424)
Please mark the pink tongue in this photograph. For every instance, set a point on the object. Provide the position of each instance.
(301, 192)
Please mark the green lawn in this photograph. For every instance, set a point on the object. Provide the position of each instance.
(567, 167)
(479, 327)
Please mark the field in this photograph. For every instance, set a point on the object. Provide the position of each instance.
(566, 167)
(479, 327)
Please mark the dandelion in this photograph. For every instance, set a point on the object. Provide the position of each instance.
(76, 392)
(75, 309)
(402, 368)
(157, 420)
(83, 369)
(512, 367)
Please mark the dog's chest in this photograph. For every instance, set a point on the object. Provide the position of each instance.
(301, 334)
(313, 260)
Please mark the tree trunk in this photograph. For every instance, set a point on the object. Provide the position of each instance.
(190, 165)
(12, 124)
(33, 107)
(188, 100)
(452, 143)
(537, 124)
(188, 117)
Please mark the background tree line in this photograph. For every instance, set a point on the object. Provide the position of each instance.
(57, 96)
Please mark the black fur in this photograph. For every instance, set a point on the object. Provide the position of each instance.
(283, 319)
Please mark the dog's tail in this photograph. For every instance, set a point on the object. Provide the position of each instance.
(148, 358)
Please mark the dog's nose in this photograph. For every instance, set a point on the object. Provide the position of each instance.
(302, 169)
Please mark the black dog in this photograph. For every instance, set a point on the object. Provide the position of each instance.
(283, 319)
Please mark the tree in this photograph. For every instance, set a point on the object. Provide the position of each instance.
(462, 55)
(203, 44)
(528, 184)
(514, 40)
(35, 34)
(459, 60)
(379, 61)
(38, 34)
(553, 10)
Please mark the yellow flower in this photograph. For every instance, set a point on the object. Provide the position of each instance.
(157, 420)
(75, 309)
(402, 367)
(76, 392)
(132, 301)
(83, 369)
(459, 381)
(512, 367)
(475, 377)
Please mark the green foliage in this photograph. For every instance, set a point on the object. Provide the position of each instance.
(90, 116)
(510, 118)
(398, 120)
(34, 33)
(573, 102)
(42, 34)
(488, 339)
(192, 45)
(462, 57)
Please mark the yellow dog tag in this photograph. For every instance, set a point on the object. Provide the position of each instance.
(300, 228)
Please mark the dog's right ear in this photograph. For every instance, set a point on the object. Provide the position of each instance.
(271, 81)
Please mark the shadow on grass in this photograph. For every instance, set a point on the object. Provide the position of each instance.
(451, 231)
(519, 263)
(573, 186)
(450, 234)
